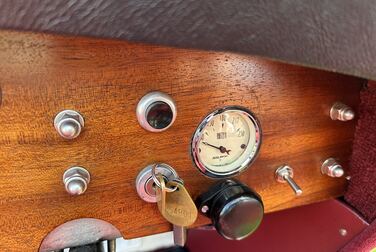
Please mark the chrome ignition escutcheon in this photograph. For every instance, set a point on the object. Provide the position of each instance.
(145, 184)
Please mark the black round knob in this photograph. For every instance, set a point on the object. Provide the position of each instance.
(235, 210)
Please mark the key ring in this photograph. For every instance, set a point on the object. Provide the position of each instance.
(156, 181)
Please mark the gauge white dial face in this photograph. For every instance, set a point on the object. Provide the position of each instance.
(227, 142)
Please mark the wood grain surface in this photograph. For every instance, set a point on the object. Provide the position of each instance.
(41, 75)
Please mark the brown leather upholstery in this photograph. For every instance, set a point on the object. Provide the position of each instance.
(336, 35)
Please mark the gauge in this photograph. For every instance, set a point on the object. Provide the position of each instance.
(226, 142)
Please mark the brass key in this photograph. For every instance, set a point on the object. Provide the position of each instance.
(176, 206)
(161, 193)
(179, 209)
(174, 203)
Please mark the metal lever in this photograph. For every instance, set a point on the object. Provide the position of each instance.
(285, 174)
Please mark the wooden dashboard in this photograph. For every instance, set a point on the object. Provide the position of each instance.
(41, 75)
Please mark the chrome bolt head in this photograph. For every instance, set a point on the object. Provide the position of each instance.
(342, 232)
(76, 187)
(69, 124)
(338, 171)
(76, 180)
(331, 168)
(205, 209)
(341, 112)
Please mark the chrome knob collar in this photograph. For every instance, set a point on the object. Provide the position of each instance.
(156, 111)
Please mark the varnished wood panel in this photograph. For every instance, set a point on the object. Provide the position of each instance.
(41, 75)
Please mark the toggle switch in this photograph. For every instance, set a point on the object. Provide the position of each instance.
(69, 124)
(331, 168)
(341, 112)
(76, 180)
(284, 174)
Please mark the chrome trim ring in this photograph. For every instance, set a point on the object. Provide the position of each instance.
(149, 99)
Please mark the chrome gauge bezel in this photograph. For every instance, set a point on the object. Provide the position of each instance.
(198, 135)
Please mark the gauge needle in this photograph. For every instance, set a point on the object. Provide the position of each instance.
(220, 148)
